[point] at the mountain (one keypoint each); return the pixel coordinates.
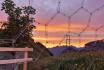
(94, 46)
(70, 49)
(57, 50)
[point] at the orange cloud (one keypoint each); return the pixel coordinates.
(57, 31)
(64, 28)
(54, 41)
(49, 39)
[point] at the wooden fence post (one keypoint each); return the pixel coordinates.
(25, 57)
(20, 60)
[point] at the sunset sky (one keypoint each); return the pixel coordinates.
(92, 14)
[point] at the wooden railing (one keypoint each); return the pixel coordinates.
(23, 60)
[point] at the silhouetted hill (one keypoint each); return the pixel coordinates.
(57, 50)
(90, 46)
(43, 48)
(94, 46)
(40, 51)
(70, 49)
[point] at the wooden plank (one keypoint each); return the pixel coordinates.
(15, 61)
(25, 63)
(2, 49)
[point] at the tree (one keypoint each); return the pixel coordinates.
(18, 26)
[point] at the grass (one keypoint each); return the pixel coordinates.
(71, 61)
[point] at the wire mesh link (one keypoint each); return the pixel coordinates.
(69, 17)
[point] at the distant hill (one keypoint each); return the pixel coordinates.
(94, 46)
(58, 50)
(90, 46)
(70, 49)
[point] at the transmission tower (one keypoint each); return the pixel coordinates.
(68, 40)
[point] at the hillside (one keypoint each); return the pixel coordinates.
(72, 61)
(57, 50)
(94, 46)
(42, 49)
(70, 49)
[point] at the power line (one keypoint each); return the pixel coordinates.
(69, 17)
(67, 37)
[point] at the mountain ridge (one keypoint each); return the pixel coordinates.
(97, 45)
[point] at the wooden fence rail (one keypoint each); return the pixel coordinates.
(23, 60)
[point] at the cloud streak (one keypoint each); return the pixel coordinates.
(58, 27)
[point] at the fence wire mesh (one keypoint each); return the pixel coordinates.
(58, 21)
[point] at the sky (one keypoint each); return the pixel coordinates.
(90, 18)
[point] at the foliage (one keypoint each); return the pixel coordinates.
(72, 61)
(19, 24)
